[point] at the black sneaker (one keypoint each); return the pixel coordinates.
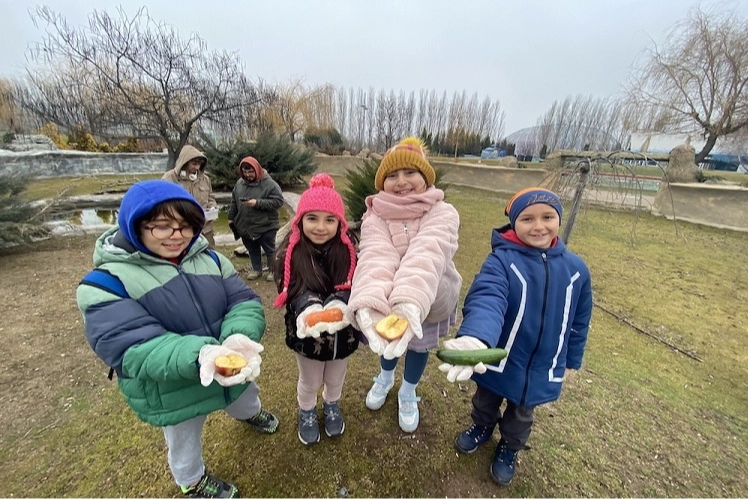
(334, 423)
(210, 486)
(263, 421)
(469, 440)
(308, 426)
(504, 464)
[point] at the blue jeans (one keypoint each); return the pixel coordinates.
(266, 243)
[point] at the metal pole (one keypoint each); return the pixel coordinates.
(576, 202)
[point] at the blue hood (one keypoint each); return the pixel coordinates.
(140, 199)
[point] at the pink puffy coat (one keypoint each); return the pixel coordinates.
(406, 251)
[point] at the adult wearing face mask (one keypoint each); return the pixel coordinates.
(189, 172)
(253, 215)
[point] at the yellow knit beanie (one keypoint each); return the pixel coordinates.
(408, 153)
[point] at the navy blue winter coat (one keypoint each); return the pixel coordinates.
(537, 305)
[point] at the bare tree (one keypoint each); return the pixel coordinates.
(134, 75)
(699, 76)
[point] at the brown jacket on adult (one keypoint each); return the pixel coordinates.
(201, 188)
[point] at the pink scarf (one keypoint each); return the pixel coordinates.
(390, 207)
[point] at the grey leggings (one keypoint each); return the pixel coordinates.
(184, 440)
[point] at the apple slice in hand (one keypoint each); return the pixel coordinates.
(230, 365)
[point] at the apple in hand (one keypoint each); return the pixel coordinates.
(391, 327)
(230, 365)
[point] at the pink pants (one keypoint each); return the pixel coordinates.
(313, 374)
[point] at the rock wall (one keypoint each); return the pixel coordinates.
(718, 206)
(721, 206)
(45, 164)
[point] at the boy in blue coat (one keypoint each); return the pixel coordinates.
(532, 297)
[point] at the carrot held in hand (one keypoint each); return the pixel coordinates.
(329, 315)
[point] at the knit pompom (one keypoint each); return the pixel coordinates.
(321, 180)
(414, 141)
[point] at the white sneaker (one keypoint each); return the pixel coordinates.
(407, 412)
(378, 394)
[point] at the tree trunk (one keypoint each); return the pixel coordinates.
(710, 141)
(172, 158)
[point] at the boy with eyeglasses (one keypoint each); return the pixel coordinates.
(175, 306)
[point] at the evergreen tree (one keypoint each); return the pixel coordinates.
(286, 162)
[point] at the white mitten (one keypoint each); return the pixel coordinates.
(302, 330)
(250, 350)
(207, 360)
(412, 314)
(458, 372)
(367, 319)
(398, 347)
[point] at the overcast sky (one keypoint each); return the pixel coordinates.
(524, 53)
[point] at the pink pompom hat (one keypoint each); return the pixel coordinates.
(321, 196)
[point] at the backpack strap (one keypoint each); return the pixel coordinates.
(102, 279)
(214, 256)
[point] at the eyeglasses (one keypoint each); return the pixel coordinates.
(166, 231)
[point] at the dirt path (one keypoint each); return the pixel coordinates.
(44, 351)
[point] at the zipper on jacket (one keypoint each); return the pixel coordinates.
(540, 331)
(199, 309)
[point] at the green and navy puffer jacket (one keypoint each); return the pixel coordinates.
(153, 338)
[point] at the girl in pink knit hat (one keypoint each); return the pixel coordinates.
(313, 270)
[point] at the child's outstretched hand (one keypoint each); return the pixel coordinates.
(463, 373)
(248, 349)
(334, 306)
(412, 314)
(207, 360)
(303, 330)
(367, 319)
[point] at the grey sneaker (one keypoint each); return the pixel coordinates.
(263, 421)
(210, 486)
(378, 393)
(253, 274)
(308, 426)
(269, 277)
(334, 423)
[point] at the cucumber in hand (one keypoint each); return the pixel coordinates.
(471, 357)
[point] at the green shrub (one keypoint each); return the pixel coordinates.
(8, 137)
(82, 140)
(286, 162)
(326, 140)
(360, 184)
(128, 145)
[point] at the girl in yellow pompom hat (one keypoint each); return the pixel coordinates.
(405, 268)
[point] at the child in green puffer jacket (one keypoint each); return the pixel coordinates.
(159, 308)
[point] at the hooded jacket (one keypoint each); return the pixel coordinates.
(254, 221)
(536, 304)
(201, 189)
(407, 247)
(153, 338)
